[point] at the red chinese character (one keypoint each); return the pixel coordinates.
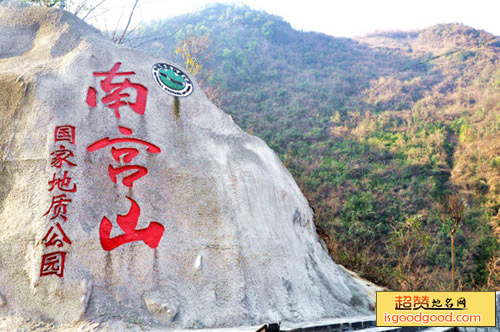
(58, 204)
(61, 156)
(128, 181)
(124, 155)
(53, 263)
(402, 303)
(54, 238)
(62, 184)
(128, 154)
(102, 143)
(65, 133)
(151, 235)
(114, 94)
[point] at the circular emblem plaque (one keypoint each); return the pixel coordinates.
(172, 80)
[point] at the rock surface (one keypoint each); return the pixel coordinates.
(239, 246)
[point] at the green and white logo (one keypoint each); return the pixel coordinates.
(172, 80)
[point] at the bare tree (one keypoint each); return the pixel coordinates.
(123, 34)
(49, 3)
(452, 218)
(93, 11)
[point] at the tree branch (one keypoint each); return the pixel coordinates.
(92, 9)
(128, 23)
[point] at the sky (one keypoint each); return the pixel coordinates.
(339, 18)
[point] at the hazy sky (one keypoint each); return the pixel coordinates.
(345, 18)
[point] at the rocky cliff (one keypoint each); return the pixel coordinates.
(127, 195)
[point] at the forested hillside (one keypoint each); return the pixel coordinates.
(380, 133)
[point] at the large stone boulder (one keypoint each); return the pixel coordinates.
(119, 201)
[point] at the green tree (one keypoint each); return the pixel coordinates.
(194, 52)
(49, 3)
(408, 246)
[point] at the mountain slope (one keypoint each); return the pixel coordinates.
(376, 132)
